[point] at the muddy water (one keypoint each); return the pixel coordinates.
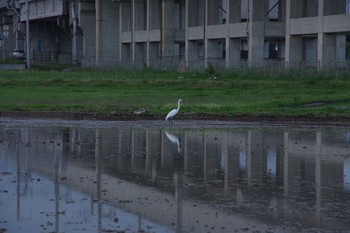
(87, 176)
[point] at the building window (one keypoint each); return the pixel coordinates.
(244, 49)
(273, 50)
(347, 6)
(273, 10)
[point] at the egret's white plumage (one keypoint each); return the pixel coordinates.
(173, 112)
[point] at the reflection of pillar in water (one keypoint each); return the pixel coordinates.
(27, 161)
(318, 175)
(147, 153)
(271, 163)
(242, 158)
(204, 158)
(249, 157)
(162, 150)
(132, 148)
(79, 144)
(224, 160)
(273, 206)
(346, 172)
(285, 162)
(239, 196)
(73, 140)
(98, 176)
(185, 152)
(27, 150)
(154, 170)
(139, 223)
(18, 182)
(57, 189)
(178, 198)
(120, 142)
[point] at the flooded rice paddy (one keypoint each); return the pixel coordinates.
(147, 176)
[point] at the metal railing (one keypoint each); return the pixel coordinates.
(263, 68)
(44, 57)
(218, 65)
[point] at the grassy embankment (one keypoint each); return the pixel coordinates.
(122, 92)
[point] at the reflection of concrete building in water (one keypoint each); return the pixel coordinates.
(184, 33)
(230, 165)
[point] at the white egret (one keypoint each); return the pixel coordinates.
(173, 112)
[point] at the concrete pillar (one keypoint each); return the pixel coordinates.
(256, 30)
(99, 33)
(294, 44)
(133, 28)
(320, 37)
(167, 30)
(148, 17)
(287, 36)
(187, 23)
(227, 39)
(205, 29)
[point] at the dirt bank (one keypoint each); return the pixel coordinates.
(183, 116)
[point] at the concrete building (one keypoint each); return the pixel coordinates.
(189, 34)
(50, 34)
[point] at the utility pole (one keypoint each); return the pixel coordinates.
(28, 35)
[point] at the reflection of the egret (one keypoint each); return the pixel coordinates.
(174, 139)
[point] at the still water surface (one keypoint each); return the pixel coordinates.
(86, 176)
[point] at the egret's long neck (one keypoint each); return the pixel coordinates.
(178, 106)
